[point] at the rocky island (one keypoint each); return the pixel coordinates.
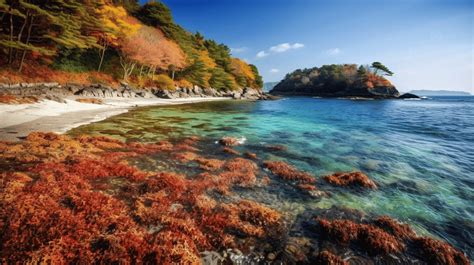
(336, 80)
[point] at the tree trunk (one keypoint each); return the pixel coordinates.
(20, 34)
(27, 42)
(148, 73)
(102, 55)
(141, 70)
(127, 67)
(10, 50)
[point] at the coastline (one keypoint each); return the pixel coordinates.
(18, 121)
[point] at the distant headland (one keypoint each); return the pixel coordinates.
(422, 92)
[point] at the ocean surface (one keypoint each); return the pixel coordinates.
(420, 153)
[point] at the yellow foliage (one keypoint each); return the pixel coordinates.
(164, 82)
(117, 23)
(206, 59)
(241, 68)
(183, 83)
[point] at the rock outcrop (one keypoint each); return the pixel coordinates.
(408, 95)
(57, 92)
(335, 81)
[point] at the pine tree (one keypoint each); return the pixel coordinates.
(380, 67)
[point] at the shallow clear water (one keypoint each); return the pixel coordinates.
(421, 153)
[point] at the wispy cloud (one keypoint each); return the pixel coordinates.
(283, 47)
(274, 70)
(238, 49)
(262, 54)
(286, 47)
(333, 51)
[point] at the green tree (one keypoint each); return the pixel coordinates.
(155, 14)
(377, 66)
(220, 53)
(130, 5)
(195, 73)
(221, 80)
(362, 72)
(258, 77)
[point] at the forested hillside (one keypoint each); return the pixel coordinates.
(105, 41)
(339, 80)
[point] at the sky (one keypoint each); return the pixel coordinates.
(428, 44)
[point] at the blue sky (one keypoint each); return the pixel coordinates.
(427, 43)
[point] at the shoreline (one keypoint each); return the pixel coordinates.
(17, 121)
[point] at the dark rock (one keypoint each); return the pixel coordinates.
(408, 95)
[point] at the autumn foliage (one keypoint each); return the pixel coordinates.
(107, 41)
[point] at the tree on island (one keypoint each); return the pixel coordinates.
(378, 66)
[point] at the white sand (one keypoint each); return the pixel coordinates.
(19, 120)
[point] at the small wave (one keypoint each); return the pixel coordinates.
(412, 99)
(240, 140)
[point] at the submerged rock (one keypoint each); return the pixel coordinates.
(230, 151)
(328, 258)
(250, 155)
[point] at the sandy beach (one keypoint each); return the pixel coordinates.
(17, 121)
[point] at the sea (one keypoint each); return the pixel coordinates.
(419, 152)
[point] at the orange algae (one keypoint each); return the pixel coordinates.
(250, 155)
(384, 235)
(370, 238)
(395, 228)
(186, 156)
(437, 252)
(77, 200)
(210, 164)
(287, 172)
(351, 179)
(230, 151)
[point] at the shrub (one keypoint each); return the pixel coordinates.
(164, 82)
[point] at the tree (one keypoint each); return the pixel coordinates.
(196, 73)
(377, 66)
(221, 79)
(220, 53)
(258, 77)
(148, 46)
(155, 14)
(116, 25)
(41, 27)
(129, 5)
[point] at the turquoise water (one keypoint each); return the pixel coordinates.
(420, 153)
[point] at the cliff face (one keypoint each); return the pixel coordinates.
(336, 81)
